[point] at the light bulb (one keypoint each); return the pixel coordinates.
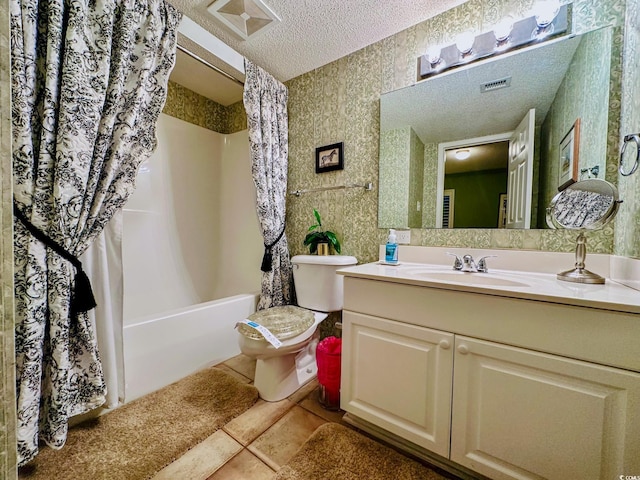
(433, 54)
(502, 29)
(545, 12)
(464, 42)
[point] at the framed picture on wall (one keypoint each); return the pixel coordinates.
(329, 157)
(569, 153)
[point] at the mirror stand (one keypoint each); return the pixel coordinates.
(580, 274)
(586, 205)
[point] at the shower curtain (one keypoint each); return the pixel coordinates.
(103, 263)
(265, 101)
(89, 80)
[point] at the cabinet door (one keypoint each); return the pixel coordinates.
(398, 376)
(523, 414)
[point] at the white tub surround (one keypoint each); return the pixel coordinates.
(505, 374)
(191, 251)
(190, 231)
(163, 348)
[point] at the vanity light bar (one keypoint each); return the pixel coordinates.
(525, 32)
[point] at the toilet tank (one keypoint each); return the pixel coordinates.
(318, 287)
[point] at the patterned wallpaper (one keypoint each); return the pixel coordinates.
(430, 184)
(340, 102)
(236, 118)
(583, 94)
(191, 107)
(627, 234)
(394, 170)
(416, 183)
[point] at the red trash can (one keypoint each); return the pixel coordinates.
(328, 358)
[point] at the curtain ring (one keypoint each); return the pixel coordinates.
(634, 137)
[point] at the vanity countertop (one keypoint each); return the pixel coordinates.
(506, 283)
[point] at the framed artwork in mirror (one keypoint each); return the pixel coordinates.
(569, 154)
(329, 157)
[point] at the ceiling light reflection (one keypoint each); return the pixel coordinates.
(462, 154)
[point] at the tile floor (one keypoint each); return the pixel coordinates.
(258, 442)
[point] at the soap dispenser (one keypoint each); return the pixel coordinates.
(391, 250)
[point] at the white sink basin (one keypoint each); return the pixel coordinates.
(465, 278)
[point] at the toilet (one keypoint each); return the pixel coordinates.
(281, 371)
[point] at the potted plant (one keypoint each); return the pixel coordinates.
(319, 240)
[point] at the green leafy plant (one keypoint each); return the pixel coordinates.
(316, 235)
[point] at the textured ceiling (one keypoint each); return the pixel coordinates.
(314, 33)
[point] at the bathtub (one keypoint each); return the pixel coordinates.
(163, 348)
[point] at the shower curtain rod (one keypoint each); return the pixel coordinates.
(210, 65)
(366, 186)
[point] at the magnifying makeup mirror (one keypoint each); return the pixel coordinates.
(586, 205)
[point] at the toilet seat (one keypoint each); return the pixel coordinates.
(260, 348)
(283, 322)
(283, 370)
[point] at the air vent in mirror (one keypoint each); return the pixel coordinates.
(495, 84)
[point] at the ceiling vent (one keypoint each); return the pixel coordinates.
(495, 85)
(245, 18)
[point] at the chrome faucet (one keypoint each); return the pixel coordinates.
(467, 264)
(457, 264)
(482, 263)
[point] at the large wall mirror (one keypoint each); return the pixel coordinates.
(490, 144)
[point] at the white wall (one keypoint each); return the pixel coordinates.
(190, 230)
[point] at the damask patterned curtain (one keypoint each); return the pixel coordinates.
(265, 101)
(89, 80)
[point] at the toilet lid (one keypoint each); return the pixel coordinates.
(284, 322)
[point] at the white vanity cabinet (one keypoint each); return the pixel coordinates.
(503, 387)
(398, 376)
(524, 414)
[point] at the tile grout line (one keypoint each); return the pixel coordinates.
(284, 412)
(257, 454)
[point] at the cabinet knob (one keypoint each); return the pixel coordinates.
(463, 349)
(444, 344)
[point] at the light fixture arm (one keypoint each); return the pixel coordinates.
(524, 32)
